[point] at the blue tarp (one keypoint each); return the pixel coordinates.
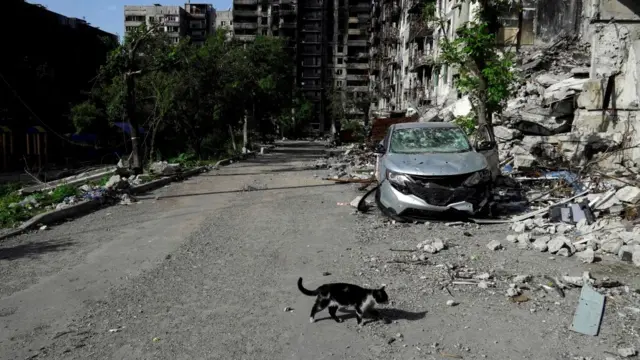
(127, 128)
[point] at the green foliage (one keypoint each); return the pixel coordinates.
(467, 123)
(12, 214)
(485, 70)
(60, 193)
(85, 116)
(187, 97)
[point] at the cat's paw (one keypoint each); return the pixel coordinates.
(339, 320)
(312, 320)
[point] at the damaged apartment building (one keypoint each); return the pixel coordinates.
(194, 20)
(328, 40)
(579, 64)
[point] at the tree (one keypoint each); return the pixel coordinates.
(485, 69)
(337, 110)
(144, 51)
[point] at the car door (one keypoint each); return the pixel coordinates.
(485, 143)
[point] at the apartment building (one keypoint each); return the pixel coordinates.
(224, 20)
(403, 75)
(193, 20)
(326, 38)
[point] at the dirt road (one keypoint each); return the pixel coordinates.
(205, 269)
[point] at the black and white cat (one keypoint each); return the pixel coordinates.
(341, 294)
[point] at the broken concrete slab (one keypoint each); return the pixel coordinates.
(629, 194)
(494, 245)
(587, 256)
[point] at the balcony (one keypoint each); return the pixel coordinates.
(246, 25)
(287, 25)
(287, 12)
(244, 38)
(356, 32)
(245, 13)
(419, 31)
(358, 88)
(421, 59)
(361, 43)
(245, 2)
(360, 66)
(360, 8)
(357, 77)
(284, 2)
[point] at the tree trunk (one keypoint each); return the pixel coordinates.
(152, 156)
(520, 21)
(245, 132)
(130, 101)
(233, 139)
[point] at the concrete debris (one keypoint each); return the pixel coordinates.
(494, 245)
(116, 183)
(164, 168)
(353, 161)
(627, 352)
(629, 194)
(452, 303)
(587, 256)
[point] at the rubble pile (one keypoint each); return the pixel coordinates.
(353, 161)
(592, 226)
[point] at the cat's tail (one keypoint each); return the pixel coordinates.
(305, 291)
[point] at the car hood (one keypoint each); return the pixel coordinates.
(436, 164)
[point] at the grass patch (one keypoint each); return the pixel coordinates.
(13, 215)
(189, 160)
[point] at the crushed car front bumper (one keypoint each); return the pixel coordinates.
(468, 193)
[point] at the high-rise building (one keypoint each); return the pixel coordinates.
(328, 40)
(194, 20)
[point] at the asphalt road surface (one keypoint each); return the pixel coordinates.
(198, 270)
(204, 269)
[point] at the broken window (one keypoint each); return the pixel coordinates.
(340, 60)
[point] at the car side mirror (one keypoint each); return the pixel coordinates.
(379, 149)
(484, 146)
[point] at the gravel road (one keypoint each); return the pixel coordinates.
(205, 269)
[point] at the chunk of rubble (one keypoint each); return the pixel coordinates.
(519, 227)
(541, 243)
(627, 352)
(524, 238)
(564, 252)
(612, 246)
(558, 243)
(494, 245)
(512, 239)
(587, 256)
(629, 194)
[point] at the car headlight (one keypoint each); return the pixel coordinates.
(397, 178)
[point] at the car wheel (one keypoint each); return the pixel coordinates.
(385, 211)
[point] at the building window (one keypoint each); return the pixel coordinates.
(339, 84)
(223, 23)
(340, 60)
(339, 72)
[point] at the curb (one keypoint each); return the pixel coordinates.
(88, 206)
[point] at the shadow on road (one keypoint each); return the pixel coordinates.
(387, 315)
(237, 191)
(33, 250)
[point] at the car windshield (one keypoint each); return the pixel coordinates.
(429, 140)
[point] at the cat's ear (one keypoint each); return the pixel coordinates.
(383, 286)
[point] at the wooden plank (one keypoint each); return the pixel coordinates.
(589, 312)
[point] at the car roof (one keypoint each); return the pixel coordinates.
(421, 125)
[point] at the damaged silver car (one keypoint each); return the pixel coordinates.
(432, 167)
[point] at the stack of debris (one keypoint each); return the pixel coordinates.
(353, 161)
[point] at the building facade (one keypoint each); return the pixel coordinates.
(224, 20)
(326, 38)
(194, 20)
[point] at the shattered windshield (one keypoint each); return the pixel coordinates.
(429, 140)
